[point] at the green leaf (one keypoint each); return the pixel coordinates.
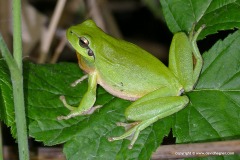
(6, 99)
(43, 86)
(181, 15)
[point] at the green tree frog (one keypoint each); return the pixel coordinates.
(129, 72)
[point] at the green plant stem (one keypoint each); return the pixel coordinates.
(17, 33)
(17, 82)
(15, 67)
(18, 97)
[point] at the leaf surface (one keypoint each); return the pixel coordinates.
(181, 15)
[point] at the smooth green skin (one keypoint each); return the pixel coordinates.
(129, 72)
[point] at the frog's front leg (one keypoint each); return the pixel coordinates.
(75, 83)
(87, 102)
(150, 108)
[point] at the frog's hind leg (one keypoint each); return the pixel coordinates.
(148, 112)
(133, 133)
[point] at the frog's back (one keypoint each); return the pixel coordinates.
(131, 71)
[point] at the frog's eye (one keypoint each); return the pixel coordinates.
(83, 42)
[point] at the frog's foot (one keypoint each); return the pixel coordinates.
(133, 132)
(75, 111)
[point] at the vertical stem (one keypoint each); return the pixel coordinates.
(17, 82)
(17, 33)
(20, 116)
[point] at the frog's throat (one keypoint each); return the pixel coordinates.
(83, 63)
